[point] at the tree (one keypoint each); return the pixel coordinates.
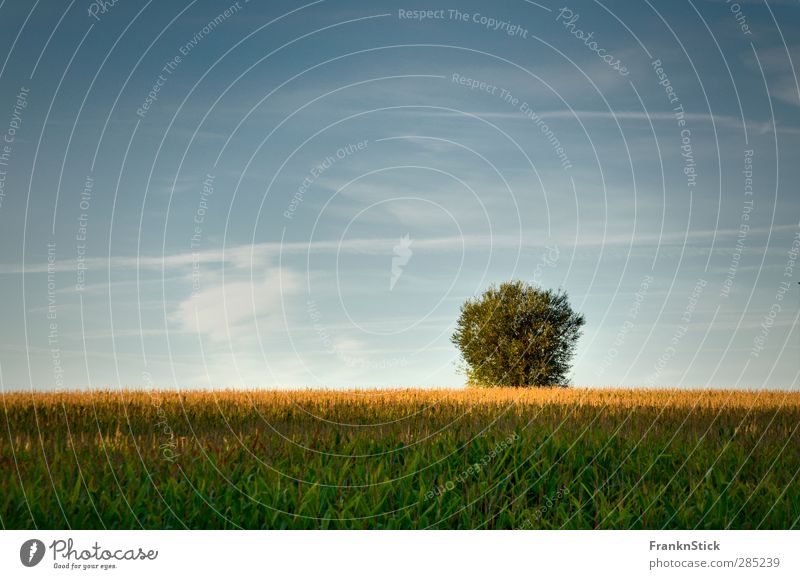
(518, 335)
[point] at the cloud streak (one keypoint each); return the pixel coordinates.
(258, 255)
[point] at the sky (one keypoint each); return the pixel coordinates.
(284, 194)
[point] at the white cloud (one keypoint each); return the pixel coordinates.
(778, 64)
(231, 309)
(255, 256)
(721, 121)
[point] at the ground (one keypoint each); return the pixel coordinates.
(408, 459)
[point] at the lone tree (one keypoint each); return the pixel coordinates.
(517, 335)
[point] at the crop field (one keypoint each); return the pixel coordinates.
(401, 459)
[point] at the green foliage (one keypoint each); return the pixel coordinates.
(518, 335)
(480, 458)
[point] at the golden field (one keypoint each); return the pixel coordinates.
(412, 458)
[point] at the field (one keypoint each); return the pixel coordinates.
(401, 459)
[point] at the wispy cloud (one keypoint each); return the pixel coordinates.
(229, 309)
(258, 255)
(778, 65)
(726, 121)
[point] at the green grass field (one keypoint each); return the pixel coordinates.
(405, 459)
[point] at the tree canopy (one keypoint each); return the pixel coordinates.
(518, 335)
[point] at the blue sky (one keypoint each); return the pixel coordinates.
(284, 194)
